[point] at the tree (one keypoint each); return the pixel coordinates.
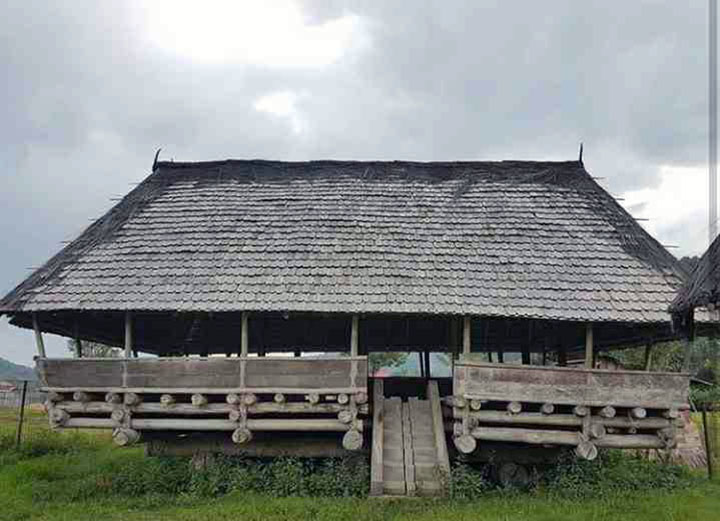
(669, 356)
(94, 349)
(380, 360)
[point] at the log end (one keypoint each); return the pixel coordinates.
(125, 437)
(465, 443)
(241, 435)
(352, 440)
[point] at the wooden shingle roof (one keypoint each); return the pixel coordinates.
(703, 287)
(506, 239)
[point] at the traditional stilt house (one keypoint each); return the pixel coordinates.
(512, 267)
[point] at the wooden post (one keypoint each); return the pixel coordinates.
(128, 334)
(376, 458)
(244, 334)
(648, 356)
(708, 446)
(466, 335)
(526, 347)
(38, 336)
(21, 420)
(589, 348)
(687, 346)
(354, 336)
(454, 340)
(426, 354)
(78, 342)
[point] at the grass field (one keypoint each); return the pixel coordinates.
(73, 476)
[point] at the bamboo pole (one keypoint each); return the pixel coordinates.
(128, 334)
(589, 348)
(38, 336)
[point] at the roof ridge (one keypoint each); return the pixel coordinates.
(234, 161)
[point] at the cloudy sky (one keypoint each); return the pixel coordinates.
(91, 89)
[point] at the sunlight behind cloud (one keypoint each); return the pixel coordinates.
(282, 104)
(273, 34)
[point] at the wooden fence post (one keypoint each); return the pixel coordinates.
(18, 437)
(708, 448)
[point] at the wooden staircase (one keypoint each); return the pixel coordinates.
(409, 449)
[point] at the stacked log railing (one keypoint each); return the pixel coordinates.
(241, 414)
(240, 411)
(585, 409)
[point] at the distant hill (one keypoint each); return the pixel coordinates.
(10, 371)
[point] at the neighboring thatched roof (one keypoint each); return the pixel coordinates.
(504, 239)
(703, 287)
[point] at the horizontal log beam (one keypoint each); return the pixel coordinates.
(630, 441)
(549, 437)
(186, 409)
(531, 436)
(165, 424)
(300, 446)
(565, 420)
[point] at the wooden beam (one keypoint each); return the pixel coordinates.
(38, 336)
(376, 458)
(128, 334)
(466, 335)
(244, 334)
(443, 458)
(589, 348)
(354, 336)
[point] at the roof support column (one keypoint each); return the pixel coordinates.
(128, 334)
(466, 335)
(38, 336)
(687, 349)
(354, 335)
(648, 356)
(528, 344)
(589, 347)
(244, 334)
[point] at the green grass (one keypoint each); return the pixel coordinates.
(80, 476)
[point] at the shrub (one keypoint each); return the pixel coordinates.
(467, 482)
(278, 477)
(612, 473)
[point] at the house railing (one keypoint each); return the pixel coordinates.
(578, 407)
(237, 394)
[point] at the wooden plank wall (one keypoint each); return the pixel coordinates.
(570, 386)
(213, 373)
